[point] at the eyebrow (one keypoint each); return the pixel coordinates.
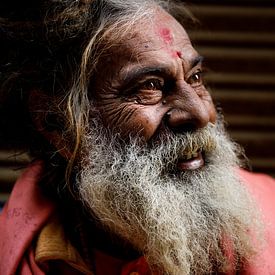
(143, 71)
(195, 61)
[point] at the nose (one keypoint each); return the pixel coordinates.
(188, 110)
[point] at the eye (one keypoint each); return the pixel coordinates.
(152, 84)
(146, 92)
(196, 79)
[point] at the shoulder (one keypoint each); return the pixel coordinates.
(24, 214)
(255, 177)
(262, 189)
(258, 184)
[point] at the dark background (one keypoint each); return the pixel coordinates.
(237, 39)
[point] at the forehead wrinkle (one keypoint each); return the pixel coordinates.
(139, 51)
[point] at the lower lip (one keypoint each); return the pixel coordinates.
(191, 164)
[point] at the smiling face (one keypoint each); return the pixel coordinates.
(151, 81)
(170, 190)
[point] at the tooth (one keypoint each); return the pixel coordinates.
(189, 156)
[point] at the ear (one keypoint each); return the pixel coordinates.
(47, 122)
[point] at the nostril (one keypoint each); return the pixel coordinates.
(179, 128)
(184, 128)
(180, 121)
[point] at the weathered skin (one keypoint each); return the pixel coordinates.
(151, 79)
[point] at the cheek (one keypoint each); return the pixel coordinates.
(130, 119)
(147, 120)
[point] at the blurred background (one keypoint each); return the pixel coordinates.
(237, 39)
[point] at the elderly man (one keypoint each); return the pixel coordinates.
(132, 172)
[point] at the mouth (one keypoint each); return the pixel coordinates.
(192, 161)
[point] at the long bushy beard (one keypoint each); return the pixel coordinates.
(183, 222)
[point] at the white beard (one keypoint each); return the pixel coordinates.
(178, 220)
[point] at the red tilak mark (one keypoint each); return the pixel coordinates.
(176, 54)
(166, 35)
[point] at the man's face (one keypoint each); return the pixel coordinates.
(152, 80)
(178, 198)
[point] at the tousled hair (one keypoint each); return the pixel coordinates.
(53, 46)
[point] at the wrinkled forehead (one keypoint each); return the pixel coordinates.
(160, 30)
(161, 34)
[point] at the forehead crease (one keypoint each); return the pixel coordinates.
(140, 64)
